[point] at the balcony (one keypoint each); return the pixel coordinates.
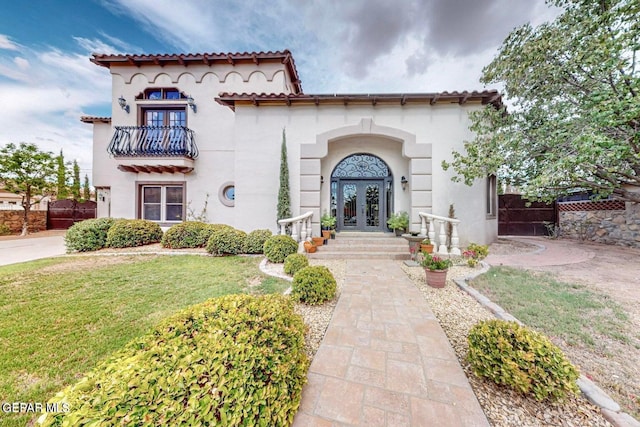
(154, 149)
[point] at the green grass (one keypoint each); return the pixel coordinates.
(565, 310)
(59, 317)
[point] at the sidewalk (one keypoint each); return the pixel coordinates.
(385, 360)
(14, 249)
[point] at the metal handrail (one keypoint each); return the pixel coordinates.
(153, 141)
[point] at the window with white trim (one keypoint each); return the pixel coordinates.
(163, 203)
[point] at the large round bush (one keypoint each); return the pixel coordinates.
(521, 358)
(313, 285)
(128, 233)
(255, 241)
(88, 235)
(226, 241)
(189, 234)
(237, 360)
(295, 262)
(277, 248)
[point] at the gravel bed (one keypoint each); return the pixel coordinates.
(457, 313)
(316, 317)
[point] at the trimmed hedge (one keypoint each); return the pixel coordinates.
(295, 262)
(128, 233)
(189, 234)
(226, 241)
(313, 285)
(88, 235)
(521, 358)
(278, 247)
(237, 360)
(255, 241)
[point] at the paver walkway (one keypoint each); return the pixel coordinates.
(385, 360)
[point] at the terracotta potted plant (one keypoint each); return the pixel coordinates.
(310, 247)
(426, 246)
(436, 269)
(318, 240)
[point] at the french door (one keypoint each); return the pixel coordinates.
(360, 205)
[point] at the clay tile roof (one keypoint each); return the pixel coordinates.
(492, 97)
(185, 59)
(94, 119)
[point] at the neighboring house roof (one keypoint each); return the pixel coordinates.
(285, 57)
(230, 100)
(94, 119)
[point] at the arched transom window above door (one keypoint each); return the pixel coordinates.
(361, 166)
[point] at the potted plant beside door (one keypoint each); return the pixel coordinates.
(435, 269)
(328, 223)
(398, 222)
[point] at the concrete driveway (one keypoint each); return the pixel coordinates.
(16, 249)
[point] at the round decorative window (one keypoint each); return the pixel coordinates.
(227, 194)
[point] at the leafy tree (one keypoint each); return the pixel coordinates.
(27, 171)
(574, 124)
(75, 187)
(62, 189)
(284, 201)
(86, 190)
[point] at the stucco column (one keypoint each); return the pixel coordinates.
(420, 181)
(310, 190)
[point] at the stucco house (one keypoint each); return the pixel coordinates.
(193, 128)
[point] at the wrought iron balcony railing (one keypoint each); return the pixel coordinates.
(153, 141)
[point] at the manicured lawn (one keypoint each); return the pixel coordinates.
(565, 310)
(59, 317)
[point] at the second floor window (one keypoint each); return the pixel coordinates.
(165, 117)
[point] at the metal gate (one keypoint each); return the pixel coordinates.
(515, 218)
(62, 214)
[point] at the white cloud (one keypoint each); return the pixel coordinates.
(46, 92)
(21, 63)
(6, 43)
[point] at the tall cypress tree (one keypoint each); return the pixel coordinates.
(86, 191)
(62, 192)
(75, 187)
(284, 202)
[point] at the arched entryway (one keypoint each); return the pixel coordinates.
(361, 193)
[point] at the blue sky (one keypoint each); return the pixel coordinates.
(347, 46)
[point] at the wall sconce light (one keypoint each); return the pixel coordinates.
(123, 104)
(404, 182)
(321, 179)
(191, 104)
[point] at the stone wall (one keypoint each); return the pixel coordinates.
(609, 221)
(13, 220)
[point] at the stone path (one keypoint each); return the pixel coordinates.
(385, 360)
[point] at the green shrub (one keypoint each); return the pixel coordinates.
(128, 233)
(216, 227)
(521, 358)
(234, 360)
(88, 235)
(4, 230)
(278, 247)
(313, 285)
(295, 262)
(226, 241)
(480, 251)
(190, 234)
(255, 241)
